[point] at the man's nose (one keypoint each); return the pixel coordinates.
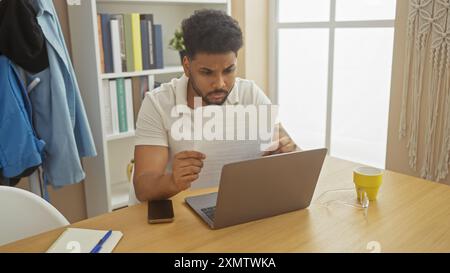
(219, 82)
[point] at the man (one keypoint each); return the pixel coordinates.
(164, 166)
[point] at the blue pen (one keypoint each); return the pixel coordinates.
(99, 245)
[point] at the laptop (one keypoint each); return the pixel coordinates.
(259, 188)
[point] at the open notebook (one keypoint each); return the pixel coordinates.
(76, 240)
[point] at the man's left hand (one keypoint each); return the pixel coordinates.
(285, 143)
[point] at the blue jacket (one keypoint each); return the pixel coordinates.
(59, 115)
(20, 149)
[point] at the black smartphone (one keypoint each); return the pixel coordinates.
(160, 211)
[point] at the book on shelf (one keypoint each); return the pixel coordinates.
(137, 99)
(107, 44)
(148, 21)
(113, 105)
(137, 45)
(122, 99)
(107, 112)
(121, 105)
(145, 46)
(141, 85)
(130, 42)
(100, 43)
(129, 104)
(159, 61)
(121, 35)
(115, 45)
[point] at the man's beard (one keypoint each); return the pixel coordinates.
(208, 98)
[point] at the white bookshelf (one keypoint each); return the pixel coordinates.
(106, 183)
(120, 136)
(164, 71)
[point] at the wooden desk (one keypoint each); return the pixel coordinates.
(411, 215)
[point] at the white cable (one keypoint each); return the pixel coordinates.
(364, 200)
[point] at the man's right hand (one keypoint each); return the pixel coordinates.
(186, 167)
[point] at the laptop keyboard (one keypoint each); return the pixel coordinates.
(209, 212)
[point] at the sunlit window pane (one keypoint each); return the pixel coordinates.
(303, 11)
(302, 84)
(362, 76)
(365, 10)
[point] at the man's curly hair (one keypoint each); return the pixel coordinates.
(211, 31)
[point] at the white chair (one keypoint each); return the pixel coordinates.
(24, 214)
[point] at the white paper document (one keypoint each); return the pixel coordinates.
(225, 134)
(241, 141)
(220, 153)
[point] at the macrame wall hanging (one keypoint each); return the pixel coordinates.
(427, 57)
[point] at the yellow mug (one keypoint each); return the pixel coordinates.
(368, 180)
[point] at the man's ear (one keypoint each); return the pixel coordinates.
(186, 66)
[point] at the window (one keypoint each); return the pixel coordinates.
(332, 79)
